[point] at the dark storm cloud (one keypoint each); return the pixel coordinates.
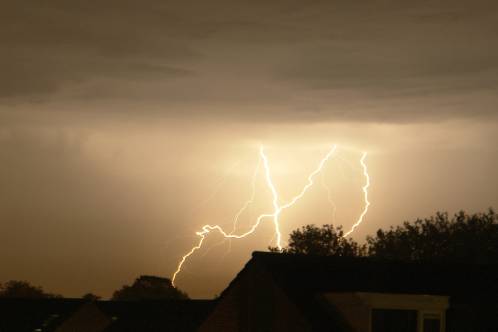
(328, 60)
(46, 45)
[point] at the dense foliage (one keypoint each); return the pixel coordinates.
(462, 237)
(24, 290)
(326, 240)
(149, 288)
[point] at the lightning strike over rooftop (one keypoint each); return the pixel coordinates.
(277, 208)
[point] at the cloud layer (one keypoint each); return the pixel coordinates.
(256, 61)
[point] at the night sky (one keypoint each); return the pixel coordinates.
(127, 125)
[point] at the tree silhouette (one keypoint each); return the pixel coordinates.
(23, 289)
(463, 238)
(327, 240)
(149, 288)
(91, 297)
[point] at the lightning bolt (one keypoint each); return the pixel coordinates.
(365, 195)
(218, 185)
(308, 185)
(277, 208)
(245, 206)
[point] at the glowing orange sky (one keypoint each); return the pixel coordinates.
(118, 121)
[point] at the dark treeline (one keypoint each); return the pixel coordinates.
(23, 289)
(459, 238)
(149, 288)
(144, 288)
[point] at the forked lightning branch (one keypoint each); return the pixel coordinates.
(278, 208)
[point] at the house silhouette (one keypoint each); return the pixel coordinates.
(287, 292)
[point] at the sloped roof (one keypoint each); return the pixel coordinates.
(46, 315)
(28, 315)
(156, 315)
(305, 277)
